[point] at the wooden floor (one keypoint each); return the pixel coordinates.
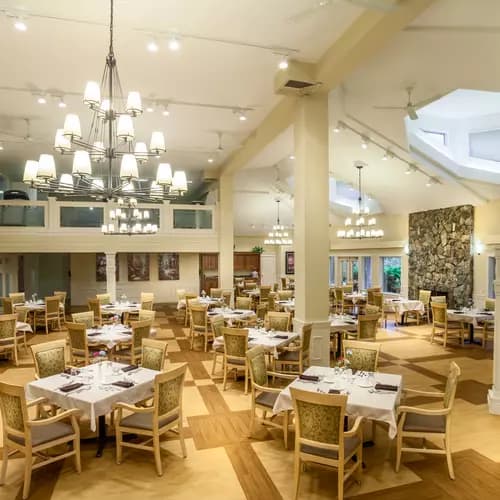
(225, 461)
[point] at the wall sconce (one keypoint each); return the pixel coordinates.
(478, 247)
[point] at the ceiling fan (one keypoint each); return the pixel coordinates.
(27, 137)
(411, 107)
(319, 5)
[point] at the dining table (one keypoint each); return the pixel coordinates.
(401, 306)
(372, 395)
(287, 305)
(109, 335)
(231, 315)
(34, 306)
(339, 325)
(472, 317)
(94, 389)
(21, 326)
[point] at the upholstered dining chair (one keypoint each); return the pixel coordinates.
(51, 314)
(426, 423)
(295, 356)
(33, 438)
(285, 294)
(369, 294)
(235, 348)
(261, 311)
(86, 317)
(8, 337)
(62, 304)
(226, 297)
(199, 324)
(7, 305)
(371, 309)
(489, 304)
(95, 306)
(22, 316)
(216, 324)
(244, 303)
(441, 325)
(439, 299)
(80, 350)
(250, 285)
(362, 356)
(17, 297)
(320, 436)
(279, 321)
(132, 351)
(49, 358)
(487, 329)
(264, 395)
(367, 327)
(271, 301)
(425, 297)
(378, 301)
(154, 353)
(190, 298)
(265, 290)
(339, 300)
(216, 293)
(145, 314)
(103, 298)
(152, 422)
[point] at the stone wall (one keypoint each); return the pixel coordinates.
(440, 258)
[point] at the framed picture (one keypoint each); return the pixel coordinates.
(138, 266)
(168, 266)
(100, 267)
(289, 262)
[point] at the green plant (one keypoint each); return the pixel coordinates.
(257, 249)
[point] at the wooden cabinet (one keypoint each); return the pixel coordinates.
(245, 263)
(209, 271)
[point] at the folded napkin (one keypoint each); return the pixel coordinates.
(212, 313)
(123, 383)
(458, 312)
(93, 334)
(312, 378)
(129, 368)
(238, 312)
(334, 391)
(386, 387)
(349, 322)
(70, 387)
(486, 313)
(250, 339)
(281, 337)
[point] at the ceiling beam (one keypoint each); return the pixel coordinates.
(366, 35)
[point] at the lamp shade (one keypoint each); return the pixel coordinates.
(98, 151)
(125, 128)
(81, 164)
(128, 167)
(46, 167)
(66, 183)
(179, 182)
(61, 142)
(156, 191)
(164, 174)
(72, 128)
(141, 152)
(134, 104)
(157, 144)
(127, 188)
(92, 94)
(30, 171)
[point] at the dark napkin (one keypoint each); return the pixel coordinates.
(70, 387)
(312, 378)
(457, 312)
(334, 391)
(129, 368)
(386, 387)
(212, 313)
(281, 337)
(93, 334)
(237, 312)
(107, 306)
(486, 313)
(349, 322)
(250, 339)
(123, 383)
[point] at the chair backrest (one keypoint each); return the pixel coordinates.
(62, 295)
(271, 301)
(370, 292)
(147, 305)
(256, 358)
(140, 330)
(180, 292)
(17, 297)
(285, 294)
(77, 336)
(153, 354)
(250, 285)
(235, 342)
(362, 355)
(339, 294)
(347, 288)
(217, 323)
(451, 385)
(168, 387)
(439, 299)
(283, 283)
(8, 326)
(52, 306)
(49, 358)
(367, 326)
(262, 311)
(216, 293)
(243, 303)
(371, 309)
(21, 313)
(424, 296)
(378, 300)
(8, 308)
(319, 419)
(146, 314)
(489, 305)
(275, 287)
(190, 298)
(439, 313)
(306, 338)
(14, 410)
(87, 318)
(95, 307)
(278, 320)
(226, 296)
(147, 297)
(199, 315)
(103, 298)
(265, 290)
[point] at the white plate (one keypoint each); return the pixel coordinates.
(330, 380)
(364, 383)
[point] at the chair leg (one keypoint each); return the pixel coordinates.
(340, 472)
(225, 377)
(285, 429)
(448, 457)
(399, 446)
(246, 378)
(156, 448)
(118, 436)
(78, 460)
(181, 439)
(16, 361)
(213, 364)
(5, 460)
(28, 465)
(296, 474)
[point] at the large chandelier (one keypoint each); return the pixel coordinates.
(279, 234)
(111, 137)
(128, 219)
(363, 226)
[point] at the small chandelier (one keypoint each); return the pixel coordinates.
(279, 235)
(111, 137)
(363, 226)
(128, 219)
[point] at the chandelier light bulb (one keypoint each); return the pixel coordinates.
(157, 144)
(179, 182)
(125, 128)
(46, 167)
(141, 152)
(81, 164)
(128, 169)
(72, 128)
(164, 174)
(66, 183)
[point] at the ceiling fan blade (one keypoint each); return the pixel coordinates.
(385, 5)
(306, 13)
(424, 102)
(412, 113)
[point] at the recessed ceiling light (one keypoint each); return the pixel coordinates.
(165, 112)
(210, 160)
(20, 25)
(174, 44)
(283, 64)
(41, 100)
(61, 103)
(364, 142)
(291, 157)
(152, 46)
(150, 109)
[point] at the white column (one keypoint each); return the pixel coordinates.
(494, 392)
(311, 229)
(111, 275)
(226, 232)
(361, 273)
(376, 276)
(404, 275)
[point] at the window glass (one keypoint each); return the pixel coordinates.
(82, 216)
(332, 270)
(492, 262)
(192, 219)
(367, 272)
(21, 216)
(391, 274)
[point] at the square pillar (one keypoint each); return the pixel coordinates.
(226, 232)
(311, 223)
(494, 392)
(111, 275)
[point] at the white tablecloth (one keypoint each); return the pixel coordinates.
(343, 323)
(23, 327)
(402, 305)
(472, 317)
(379, 406)
(39, 305)
(181, 304)
(96, 398)
(109, 335)
(355, 297)
(286, 305)
(231, 314)
(120, 308)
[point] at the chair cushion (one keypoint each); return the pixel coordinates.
(145, 420)
(236, 361)
(46, 433)
(289, 356)
(350, 444)
(267, 399)
(424, 423)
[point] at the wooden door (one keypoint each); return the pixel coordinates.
(209, 271)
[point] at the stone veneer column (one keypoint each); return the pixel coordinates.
(226, 232)
(311, 225)
(111, 275)
(494, 392)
